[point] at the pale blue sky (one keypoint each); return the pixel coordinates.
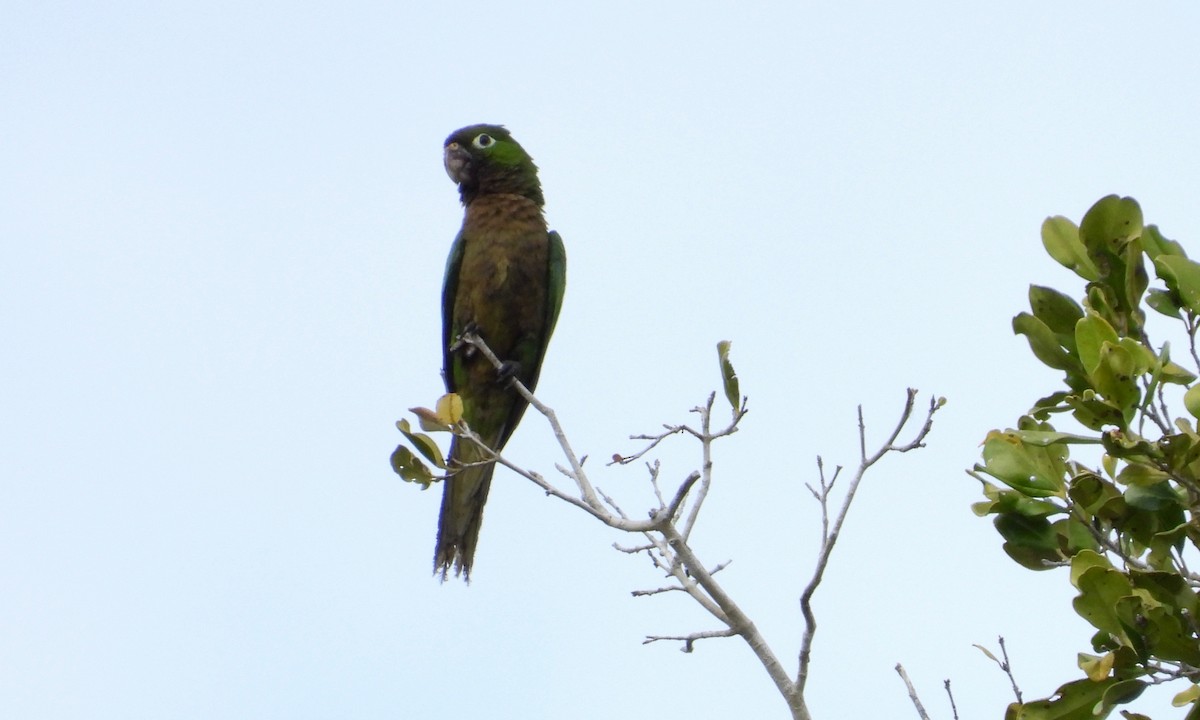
(225, 227)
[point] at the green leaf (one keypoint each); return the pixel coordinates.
(1092, 412)
(1182, 277)
(1115, 377)
(1010, 501)
(1090, 335)
(1143, 358)
(1140, 475)
(1091, 492)
(1060, 237)
(1152, 498)
(728, 377)
(1079, 537)
(1110, 225)
(1043, 342)
(1168, 588)
(1173, 373)
(1155, 244)
(1128, 446)
(1058, 311)
(1191, 400)
(1076, 700)
(1085, 561)
(410, 468)
(1119, 693)
(1042, 438)
(1168, 635)
(1099, 590)
(1190, 695)
(1164, 303)
(1032, 541)
(423, 443)
(1023, 468)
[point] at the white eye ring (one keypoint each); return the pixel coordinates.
(483, 141)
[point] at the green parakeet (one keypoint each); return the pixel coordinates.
(504, 279)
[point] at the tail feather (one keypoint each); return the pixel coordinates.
(463, 499)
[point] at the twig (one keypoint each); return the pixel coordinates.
(654, 468)
(953, 707)
(912, 692)
(657, 591)
(738, 622)
(1189, 322)
(633, 550)
(655, 440)
(585, 488)
(1006, 666)
(611, 503)
(690, 639)
(830, 536)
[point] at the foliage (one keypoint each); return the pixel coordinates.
(1127, 525)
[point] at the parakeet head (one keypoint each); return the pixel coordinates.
(485, 160)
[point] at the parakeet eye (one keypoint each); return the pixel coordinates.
(483, 141)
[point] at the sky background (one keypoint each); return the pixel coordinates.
(224, 229)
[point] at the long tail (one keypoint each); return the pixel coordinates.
(462, 511)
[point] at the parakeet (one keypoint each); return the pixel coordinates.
(504, 280)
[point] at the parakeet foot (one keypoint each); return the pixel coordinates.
(469, 329)
(509, 369)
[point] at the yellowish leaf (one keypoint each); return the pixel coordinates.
(450, 408)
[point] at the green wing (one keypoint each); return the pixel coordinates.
(557, 285)
(449, 290)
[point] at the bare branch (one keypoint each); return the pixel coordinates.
(1189, 321)
(633, 550)
(667, 527)
(690, 639)
(912, 692)
(830, 535)
(657, 591)
(611, 503)
(953, 707)
(1007, 667)
(654, 441)
(706, 441)
(673, 509)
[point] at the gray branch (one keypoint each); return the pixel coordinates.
(666, 538)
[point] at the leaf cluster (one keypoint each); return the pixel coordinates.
(406, 464)
(1126, 526)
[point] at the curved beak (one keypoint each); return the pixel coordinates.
(458, 163)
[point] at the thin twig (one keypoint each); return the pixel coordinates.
(690, 639)
(912, 692)
(655, 440)
(1007, 666)
(949, 694)
(656, 591)
(831, 535)
(633, 550)
(585, 488)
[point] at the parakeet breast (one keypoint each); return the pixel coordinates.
(503, 277)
